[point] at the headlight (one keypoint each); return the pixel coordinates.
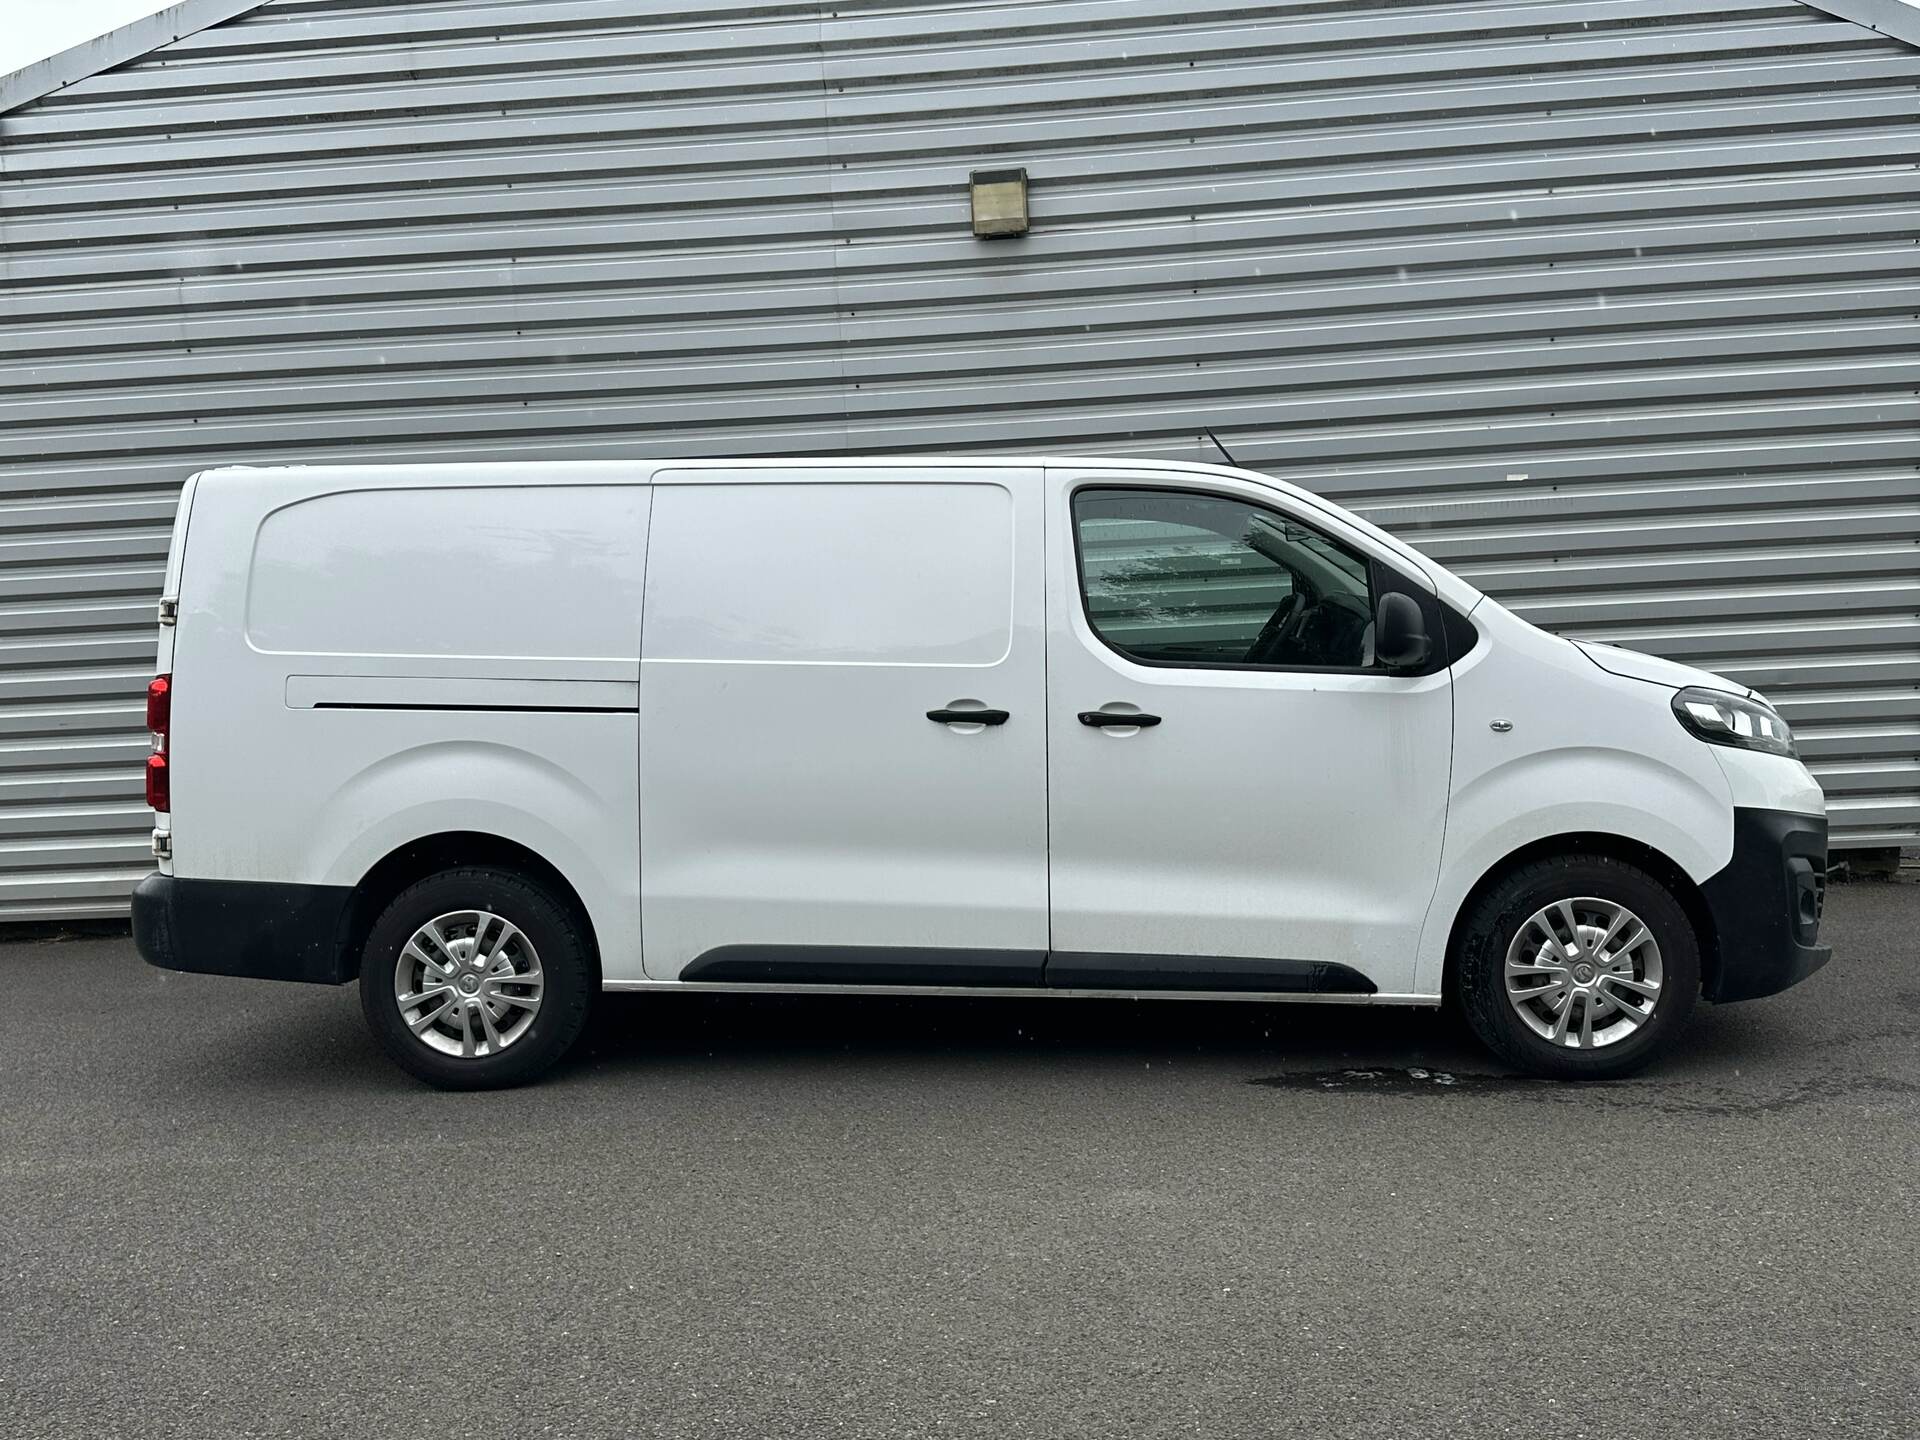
(1723, 719)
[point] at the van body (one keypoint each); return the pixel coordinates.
(493, 738)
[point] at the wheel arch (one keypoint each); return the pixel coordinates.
(1587, 842)
(447, 850)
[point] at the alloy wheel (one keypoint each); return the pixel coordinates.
(1584, 973)
(468, 983)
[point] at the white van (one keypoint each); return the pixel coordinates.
(494, 738)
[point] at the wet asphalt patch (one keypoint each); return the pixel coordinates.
(1399, 1082)
(1695, 1100)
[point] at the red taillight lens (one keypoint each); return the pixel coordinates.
(160, 704)
(159, 794)
(159, 718)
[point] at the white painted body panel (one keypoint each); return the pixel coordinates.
(703, 782)
(1588, 752)
(795, 791)
(1769, 782)
(268, 787)
(1271, 815)
(1632, 665)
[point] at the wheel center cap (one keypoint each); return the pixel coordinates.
(469, 983)
(1583, 973)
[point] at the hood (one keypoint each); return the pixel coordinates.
(1632, 665)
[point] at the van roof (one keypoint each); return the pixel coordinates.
(559, 472)
(573, 469)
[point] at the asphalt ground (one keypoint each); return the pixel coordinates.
(227, 1215)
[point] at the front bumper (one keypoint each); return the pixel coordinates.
(1766, 905)
(250, 928)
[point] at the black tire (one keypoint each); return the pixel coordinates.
(558, 936)
(1498, 915)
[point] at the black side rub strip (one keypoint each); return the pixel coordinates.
(1070, 971)
(887, 965)
(867, 965)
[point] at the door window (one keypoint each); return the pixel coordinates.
(1176, 578)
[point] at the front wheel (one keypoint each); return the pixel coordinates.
(476, 978)
(1578, 967)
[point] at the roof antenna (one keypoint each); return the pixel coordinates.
(1222, 449)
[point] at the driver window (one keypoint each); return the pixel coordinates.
(1173, 578)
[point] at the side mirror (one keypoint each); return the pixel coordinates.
(1400, 639)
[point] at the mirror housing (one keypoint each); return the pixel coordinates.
(1400, 639)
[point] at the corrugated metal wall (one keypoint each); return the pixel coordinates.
(1610, 304)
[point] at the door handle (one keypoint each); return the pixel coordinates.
(1113, 720)
(968, 717)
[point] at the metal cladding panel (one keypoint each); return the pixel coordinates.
(1608, 304)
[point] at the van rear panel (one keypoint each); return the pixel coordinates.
(364, 658)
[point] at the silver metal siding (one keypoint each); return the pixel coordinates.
(1608, 304)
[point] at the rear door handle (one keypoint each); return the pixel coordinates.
(969, 717)
(1111, 719)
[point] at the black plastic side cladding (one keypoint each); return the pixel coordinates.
(253, 929)
(1069, 971)
(1022, 969)
(866, 965)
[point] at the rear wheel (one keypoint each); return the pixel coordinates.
(1578, 967)
(476, 978)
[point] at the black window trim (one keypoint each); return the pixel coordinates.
(1381, 578)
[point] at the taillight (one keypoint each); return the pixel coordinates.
(159, 721)
(159, 793)
(159, 704)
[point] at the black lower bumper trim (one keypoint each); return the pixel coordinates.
(1766, 905)
(249, 928)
